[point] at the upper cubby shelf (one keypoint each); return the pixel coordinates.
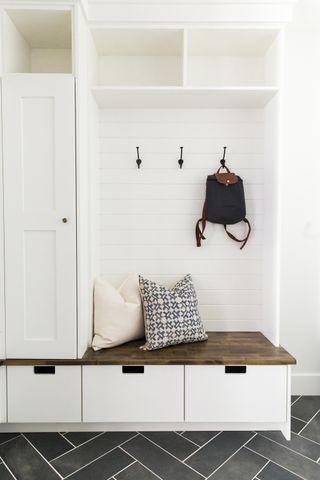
(183, 97)
(232, 57)
(138, 57)
(37, 41)
(190, 57)
(185, 68)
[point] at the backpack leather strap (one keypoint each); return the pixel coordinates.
(199, 232)
(244, 241)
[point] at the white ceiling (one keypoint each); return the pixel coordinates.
(43, 29)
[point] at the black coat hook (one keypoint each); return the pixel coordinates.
(223, 161)
(138, 161)
(180, 161)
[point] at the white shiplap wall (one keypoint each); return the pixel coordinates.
(148, 216)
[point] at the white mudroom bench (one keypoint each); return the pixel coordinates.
(234, 381)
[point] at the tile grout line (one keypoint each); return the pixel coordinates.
(310, 420)
(288, 448)
(306, 438)
(201, 446)
(6, 466)
(299, 396)
(168, 453)
(264, 466)
(151, 471)
(67, 440)
(51, 466)
(300, 419)
(10, 439)
(100, 456)
(188, 439)
(227, 460)
(140, 463)
(78, 446)
(276, 463)
(125, 468)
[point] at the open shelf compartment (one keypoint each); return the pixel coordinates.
(138, 56)
(232, 57)
(37, 41)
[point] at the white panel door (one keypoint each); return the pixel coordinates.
(40, 218)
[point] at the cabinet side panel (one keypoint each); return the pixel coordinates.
(2, 284)
(271, 262)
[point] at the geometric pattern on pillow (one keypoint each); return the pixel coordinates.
(170, 315)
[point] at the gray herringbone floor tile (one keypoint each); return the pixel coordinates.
(195, 455)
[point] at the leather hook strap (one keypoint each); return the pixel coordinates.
(199, 232)
(223, 166)
(243, 241)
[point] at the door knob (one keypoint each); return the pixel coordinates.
(64, 220)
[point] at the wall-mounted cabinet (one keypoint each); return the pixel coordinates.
(187, 68)
(37, 41)
(138, 56)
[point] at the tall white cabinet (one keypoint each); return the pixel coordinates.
(40, 217)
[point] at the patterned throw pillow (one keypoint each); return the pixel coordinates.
(170, 316)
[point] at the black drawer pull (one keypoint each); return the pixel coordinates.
(133, 369)
(44, 370)
(236, 369)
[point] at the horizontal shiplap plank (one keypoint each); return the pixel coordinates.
(148, 216)
(172, 115)
(170, 145)
(173, 176)
(216, 236)
(231, 312)
(146, 191)
(229, 297)
(160, 252)
(133, 130)
(169, 160)
(231, 282)
(165, 206)
(166, 222)
(181, 266)
(231, 325)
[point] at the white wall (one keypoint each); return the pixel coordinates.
(148, 216)
(300, 295)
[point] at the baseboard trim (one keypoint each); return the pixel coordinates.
(306, 384)
(133, 427)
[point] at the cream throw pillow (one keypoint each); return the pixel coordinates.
(118, 316)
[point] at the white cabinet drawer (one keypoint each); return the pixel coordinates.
(212, 395)
(44, 394)
(119, 394)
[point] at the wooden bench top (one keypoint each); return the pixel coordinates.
(222, 348)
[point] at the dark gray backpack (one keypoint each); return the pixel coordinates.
(224, 204)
